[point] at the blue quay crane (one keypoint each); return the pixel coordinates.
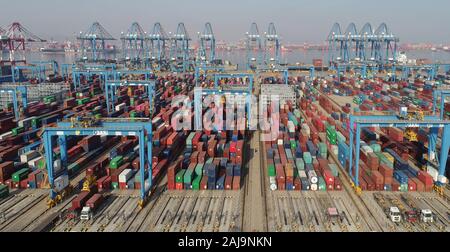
(431, 122)
(93, 40)
(207, 46)
(158, 38)
(135, 45)
(118, 128)
(179, 53)
(272, 43)
(111, 87)
(254, 47)
(13, 91)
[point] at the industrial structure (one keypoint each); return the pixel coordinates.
(361, 145)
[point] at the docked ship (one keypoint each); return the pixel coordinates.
(53, 47)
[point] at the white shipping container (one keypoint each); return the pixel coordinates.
(26, 123)
(314, 187)
(433, 172)
(120, 106)
(24, 158)
(335, 149)
(5, 135)
(302, 174)
(273, 187)
(33, 163)
(280, 141)
(313, 177)
(57, 165)
(125, 175)
(61, 182)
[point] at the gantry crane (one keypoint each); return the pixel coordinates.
(254, 47)
(13, 91)
(207, 46)
(431, 122)
(103, 74)
(353, 45)
(179, 52)
(14, 39)
(135, 45)
(206, 70)
(94, 40)
(158, 38)
(111, 86)
(53, 63)
(272, 47)
(35, 72)
(118, 127)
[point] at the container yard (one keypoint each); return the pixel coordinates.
(170, 137)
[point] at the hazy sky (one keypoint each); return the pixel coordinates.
(295, 20)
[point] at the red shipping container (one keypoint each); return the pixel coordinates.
(178, 186)
(23, 184)
(362, 184)
(228, 182)
(386, 171)
(297, 184)
(337, 184)
(281, 182)
(204, 183)
(395, 185)
(236, 182)
(419, 185)
(372, 161)
(411, 185)
(377, 178)
(388, 180)
(396, 134)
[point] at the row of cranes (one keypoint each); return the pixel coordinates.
(166, 51)
(157, 50)
(263, 51)
(377, 47)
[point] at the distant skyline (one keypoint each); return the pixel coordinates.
(296, 20)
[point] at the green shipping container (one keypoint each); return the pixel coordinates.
(403, 187)
(376, 147)
(331, 134)
(196, 183)
(307, 157)
(20, 175)
(188, 177)
(209, 161)
(115, 185)
(189, 139)
(4, 194)
(179, 176)
(321, 184)
(339, 137)
(116, 162)
(35, 122)
(322, 148)
(17, 131)
(272, 171)
(199, 169)
(300, 163)
(293, 145)
(74, 168)
(133, 114)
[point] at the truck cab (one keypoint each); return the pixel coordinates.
(86, 213)
(426, 215)
(395, 215)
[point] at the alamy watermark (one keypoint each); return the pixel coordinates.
(242, 112)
